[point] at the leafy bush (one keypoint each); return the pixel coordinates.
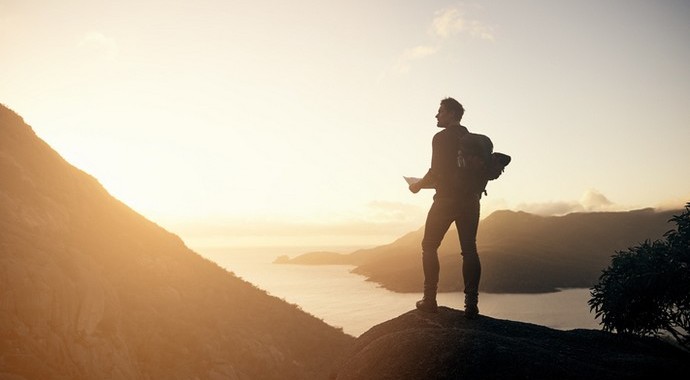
(646, 289)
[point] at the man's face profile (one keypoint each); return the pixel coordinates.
(444, 118)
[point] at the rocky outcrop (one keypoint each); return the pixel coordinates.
(89, 289)
(419, 345)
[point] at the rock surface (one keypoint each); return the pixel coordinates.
(419, 345)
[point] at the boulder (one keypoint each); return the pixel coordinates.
(418, 345)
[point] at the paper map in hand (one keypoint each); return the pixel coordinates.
(411, 180)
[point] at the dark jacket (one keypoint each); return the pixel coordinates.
(448, 177)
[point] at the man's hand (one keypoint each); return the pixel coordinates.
(415, 187)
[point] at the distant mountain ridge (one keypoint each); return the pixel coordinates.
(520, 252)
(89, 289)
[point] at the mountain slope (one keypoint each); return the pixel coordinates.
(524, 253)
(90, 289)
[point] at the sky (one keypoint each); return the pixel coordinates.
(292, 123)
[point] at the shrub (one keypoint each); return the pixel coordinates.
(646, 289)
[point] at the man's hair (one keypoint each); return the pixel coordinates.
(453, 106)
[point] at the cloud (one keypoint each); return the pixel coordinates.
(550, 208)
(479, 30)
(446, 24)
(419, 52)
(413, 54)
(453, 21)
(591, 201)
(674, 203)
(98, 43)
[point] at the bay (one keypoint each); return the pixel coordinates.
(348, 301)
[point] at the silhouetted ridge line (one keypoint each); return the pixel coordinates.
(520, 252)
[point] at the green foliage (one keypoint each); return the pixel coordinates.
(646, 289)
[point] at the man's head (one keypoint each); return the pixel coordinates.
(449, 113)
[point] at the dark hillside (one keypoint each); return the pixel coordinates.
(524, 253)
(89, 289)
(520, 252)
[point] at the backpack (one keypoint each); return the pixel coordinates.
(496, 165)
(477, 157)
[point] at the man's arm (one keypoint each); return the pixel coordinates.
(428, 180)
(431, 177)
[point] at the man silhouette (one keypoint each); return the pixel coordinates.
(458, 191)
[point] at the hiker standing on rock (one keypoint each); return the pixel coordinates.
(453, 173)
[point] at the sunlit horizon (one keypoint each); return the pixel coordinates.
(262, 123)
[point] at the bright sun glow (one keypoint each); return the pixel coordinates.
(293, 122)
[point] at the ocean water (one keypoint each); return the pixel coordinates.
(348, 301)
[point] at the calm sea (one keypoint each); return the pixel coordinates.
(347, 300)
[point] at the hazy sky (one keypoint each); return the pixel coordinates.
(293, 122)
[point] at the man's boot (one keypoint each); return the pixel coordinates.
(428, 302)
(471, 308)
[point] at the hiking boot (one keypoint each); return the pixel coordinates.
(471, 311)
(427, 305)
(471, 308)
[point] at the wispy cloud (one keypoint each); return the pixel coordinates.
(413, 54)
(97, 42)
(419, 52)
(480, 30)
(454, 21)
(550, 208)
(674, 203)
(446, 25)
(591, 201)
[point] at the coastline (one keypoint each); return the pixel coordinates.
(347, 300)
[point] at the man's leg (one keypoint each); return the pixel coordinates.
(438, 220)
(467, 224)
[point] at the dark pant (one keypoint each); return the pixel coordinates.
(444, 211)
